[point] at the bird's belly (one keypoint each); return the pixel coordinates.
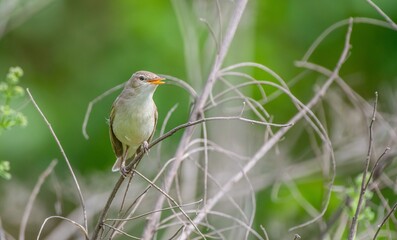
(134, 125)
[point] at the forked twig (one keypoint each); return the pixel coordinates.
(76, 183)
(120, 231)
(363, 189)
(172, 200)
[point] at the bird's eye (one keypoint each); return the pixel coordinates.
(141, 78)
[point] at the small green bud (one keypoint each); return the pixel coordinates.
(18, 91)
(12, 79)
(17, 71)
(14, 74)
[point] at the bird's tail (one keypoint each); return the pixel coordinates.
(117, 165)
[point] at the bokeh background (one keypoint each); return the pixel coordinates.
(72, 51)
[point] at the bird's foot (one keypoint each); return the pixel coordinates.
(145, 147)
(124, 171)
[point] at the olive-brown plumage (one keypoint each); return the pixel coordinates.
(133, 116)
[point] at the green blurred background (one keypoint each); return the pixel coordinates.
(72, 51)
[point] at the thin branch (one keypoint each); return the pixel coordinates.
(32, 198)
(172, 200)
(105, 210)
(65, 157)
(120, 231)
(79, 226)
(164, 125)
(91, 104)
(212, 32)
(264, 232)
(353, 227)
(226, 216)
(130, 210)
(151, 212)
(189, 124)
(180, 83)
(375, 166)
(383, 14)
(339, 24)
(385, 219)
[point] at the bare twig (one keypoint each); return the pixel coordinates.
(120, 231)
(91, 104)
(105, 210)
(264, 232)
(353, 226)
(66, 159)
(151, 212)
(189, 124)
(32, 198)
(172, 200)
(339, 24)
(180, 83)
(383, 14)
(130, 210)
(385, 219)
(79, 226)
(375, 166)
(164, 125)
(225, 216)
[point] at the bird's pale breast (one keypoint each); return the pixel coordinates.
(134, 122)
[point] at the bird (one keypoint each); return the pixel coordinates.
(133, 117)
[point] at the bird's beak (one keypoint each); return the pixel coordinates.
(156, 81)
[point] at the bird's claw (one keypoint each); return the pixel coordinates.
(124, 171)
(145, 147)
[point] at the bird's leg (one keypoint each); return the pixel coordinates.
(145, 147)
(123, 169)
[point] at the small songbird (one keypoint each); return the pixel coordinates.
(133, 117)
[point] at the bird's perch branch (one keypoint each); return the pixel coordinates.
(133, 162)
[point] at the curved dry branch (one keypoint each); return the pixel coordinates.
(76, 183)
(272, 141)
(79, 226)
(91, 105)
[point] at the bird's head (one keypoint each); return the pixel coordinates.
(142, 82)
(145, 79)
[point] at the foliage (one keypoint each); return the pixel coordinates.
(354, 194)
(9, 90)
(10, 117)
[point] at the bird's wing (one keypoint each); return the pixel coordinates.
(116, 144)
